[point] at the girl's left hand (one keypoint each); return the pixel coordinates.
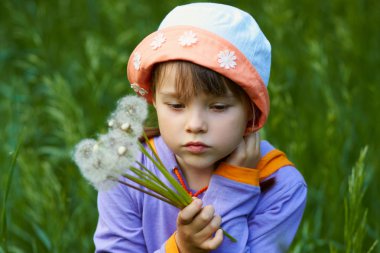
(247, 154)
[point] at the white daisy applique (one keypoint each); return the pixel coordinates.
(188, 38)
(136, 61)
(227, 59)
(158, 40)
(135, 87)
(138, 89)
(143, 92)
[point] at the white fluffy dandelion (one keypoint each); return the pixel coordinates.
(129, 115)
(102, 162)
(87, 157)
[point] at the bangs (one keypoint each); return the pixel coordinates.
(192, 79)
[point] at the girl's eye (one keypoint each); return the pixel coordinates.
(176, 106)
(219, 107)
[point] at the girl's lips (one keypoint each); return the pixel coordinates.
(196, 147)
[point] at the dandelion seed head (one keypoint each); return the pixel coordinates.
(135, 107)
(100, 171)
(123, 118)
(104, 160)
(111, 143)
(83, 152)
(90, 162)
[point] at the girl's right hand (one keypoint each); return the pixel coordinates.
(247, 154)
(196, 227)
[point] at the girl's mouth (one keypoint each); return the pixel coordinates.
(196, 147)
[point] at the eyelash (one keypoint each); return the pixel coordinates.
(175, 106)
(215, 107)
(220, 107)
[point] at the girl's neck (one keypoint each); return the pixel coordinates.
(196, 178)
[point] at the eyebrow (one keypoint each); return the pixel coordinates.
(169, 94)
(177, 95)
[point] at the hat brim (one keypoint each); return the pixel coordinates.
(215, 53)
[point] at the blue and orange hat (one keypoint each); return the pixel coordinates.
(222, 38)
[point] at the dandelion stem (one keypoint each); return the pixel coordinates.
(147, 192)
(184, 196)
(229, 236)
(147, 174)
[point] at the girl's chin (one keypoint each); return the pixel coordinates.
(198, 164)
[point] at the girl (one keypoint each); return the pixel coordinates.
(206, 70)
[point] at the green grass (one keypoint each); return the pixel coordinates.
(62, 69)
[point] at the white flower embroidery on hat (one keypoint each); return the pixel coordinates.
(158, 40)
(226, 59)
(138, 89)
(188, 38)
(137, 61)
(135, 87)
(142, 91)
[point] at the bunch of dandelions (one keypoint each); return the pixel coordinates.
(103, 161)
(112, 158)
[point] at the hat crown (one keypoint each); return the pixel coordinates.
(230, 23)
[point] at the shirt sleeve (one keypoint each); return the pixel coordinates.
(120, 227)
(274, 223)
(234, 193)
(261, 221)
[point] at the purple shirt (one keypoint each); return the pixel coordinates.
(131, 221)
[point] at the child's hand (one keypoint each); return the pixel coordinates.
(195, 229)
(247, 154)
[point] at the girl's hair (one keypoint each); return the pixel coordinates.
(192, 79)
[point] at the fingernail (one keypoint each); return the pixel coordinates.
(198, 202)
(215, 222)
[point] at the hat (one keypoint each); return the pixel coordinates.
(219, 37)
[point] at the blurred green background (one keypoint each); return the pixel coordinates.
(62, 69)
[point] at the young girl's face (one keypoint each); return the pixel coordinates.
(201, 130)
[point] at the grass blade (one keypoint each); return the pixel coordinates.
(3, 228)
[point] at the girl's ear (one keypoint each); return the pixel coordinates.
(249, 127)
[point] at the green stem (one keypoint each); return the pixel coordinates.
(229, 236)
(3, 228)
(153, 188)
(144, 191)
(159, 182)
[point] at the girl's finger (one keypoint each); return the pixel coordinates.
(253, 149)
(252, 141)
(238, 156)
(187, 214)
(210, 229)
(214, 242)
(203, 218)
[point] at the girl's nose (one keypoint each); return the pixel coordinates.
(196, 122)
